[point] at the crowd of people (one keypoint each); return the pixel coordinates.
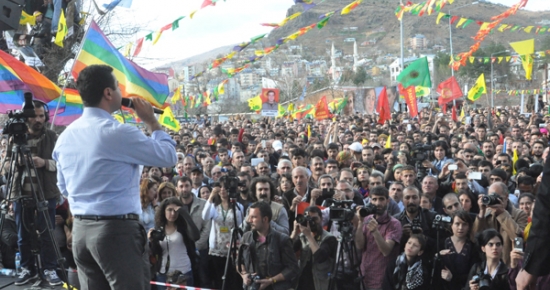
(342, 203)
(452, 201)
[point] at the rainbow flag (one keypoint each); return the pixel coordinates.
(73, 108)
(134, 81)
(16, 76)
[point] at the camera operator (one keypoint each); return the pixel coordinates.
(415, 219)
(263, 189)
(266, 257)
(495, 211)
(318, 250)
(492, 272)
(377, 237)
(41, 142)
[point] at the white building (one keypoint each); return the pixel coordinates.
(395, 66)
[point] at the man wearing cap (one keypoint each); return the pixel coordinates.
(356, 149)
(41, 33)
(197, 178)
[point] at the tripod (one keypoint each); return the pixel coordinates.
(235, 232)
(346, 246)
(34, 202)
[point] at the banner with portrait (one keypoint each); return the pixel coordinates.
(365, 100)
(270, 102)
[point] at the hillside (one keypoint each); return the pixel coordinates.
(376, 19)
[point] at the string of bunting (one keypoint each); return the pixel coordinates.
(205, 98)
(462, 22)
(484, 31)
(499, 59)
(421, 8)
(154, 37)
(520, 92)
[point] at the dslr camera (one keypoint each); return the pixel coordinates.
(158, 234)
(340, 210)
(255, 282)
(441, 221)
(491, 199)
(484, 281)
(416, 227)
(368, 209)
(304, 220)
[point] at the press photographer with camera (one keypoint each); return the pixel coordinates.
(495, 211)
(266, 257)
(41, 142)
(173, 240)
(219, 210)
(492, 272)
(318, 250)
(377, 237)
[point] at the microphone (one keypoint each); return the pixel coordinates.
(126, 102)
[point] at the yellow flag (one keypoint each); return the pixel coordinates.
(462, 115)
(61, 30)
(515, 158)
(308, 131)
(439, 16)
(461, 21)
(472, 59)
(502, 27)
(127, 49)
(192, 14)
(528, 29)
(478, 89)
(350, 7)
(168, 120)
(290, 108)
(525, 49)
(157, 37)
(388, 142)
(255, 103)
(221, 87)
(177, 95)
(26, 18)
(484, 26)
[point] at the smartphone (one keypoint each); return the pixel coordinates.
(405, 121)
(440, 115)
(474, 175)
(327, 193)
(518, 244)
(263, 144)
(409, 127)
(542, 125)
(453, 167)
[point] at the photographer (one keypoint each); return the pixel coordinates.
(492, 272)
(377, 237)
(41, 142)
(497, 213)
(266, 257)
(173, 240)
(263, 189)
(318, 250)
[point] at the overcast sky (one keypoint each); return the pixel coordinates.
(226, 23)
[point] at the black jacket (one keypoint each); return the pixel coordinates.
(500, 282)
(537, 254)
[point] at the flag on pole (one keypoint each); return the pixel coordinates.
(383, 107)
(133, 79)
(525, 49)
(61, 30)
(453, 114)
(449, 90)
(308, 131)
(416, 74)
(409, 94)
(255, 103)
(388, 142)
(168, 120)
(321, 109)
(515, 158)
(26, 18)
(478, 89)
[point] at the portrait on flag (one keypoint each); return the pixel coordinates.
(369, 101)
(270, 102)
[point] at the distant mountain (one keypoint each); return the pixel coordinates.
(376, 29)
(198, 59)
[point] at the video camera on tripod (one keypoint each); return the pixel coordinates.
(17, 122)
(419, 153)
(231, 184)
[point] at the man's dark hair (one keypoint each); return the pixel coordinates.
(387, 151)
(485, 163)
(265, 209)
(238, 144)
(234, 131)
(528, 195)
(244, 174)
(461, 175)
(92, 81)
(506, 155)
(331, 161)
(223, 142)
(223, 150)
(500, 173)
(184, 179)
(262, 179)
(299, 152)
(313, 209)
(380, 191)
(526, 179)
(332, 146)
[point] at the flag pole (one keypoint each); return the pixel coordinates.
(67, 79)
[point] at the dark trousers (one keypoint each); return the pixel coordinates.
(204, 275)
(233, 279)
(111, 254)
(24, 216)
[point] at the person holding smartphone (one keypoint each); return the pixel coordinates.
(491, 271)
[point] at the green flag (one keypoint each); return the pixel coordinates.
(416, 74)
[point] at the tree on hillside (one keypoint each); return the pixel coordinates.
(360, 76)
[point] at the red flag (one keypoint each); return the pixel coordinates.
(321, 109)
(383, 107)
(455, 118)
(449, 90)
(207, 3)
(138, 47)
(409, 94)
